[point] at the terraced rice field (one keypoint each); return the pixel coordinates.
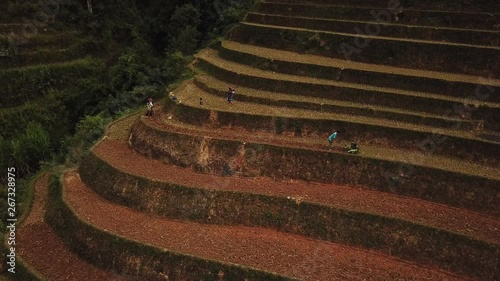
(250, 190)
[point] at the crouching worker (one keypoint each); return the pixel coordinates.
(353, 149)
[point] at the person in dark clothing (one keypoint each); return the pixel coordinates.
(353, 149)
(230, 95)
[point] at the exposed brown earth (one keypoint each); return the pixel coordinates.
(117, 153)
(44, 251)
(316, 143)
(285, 254)
(288, 255)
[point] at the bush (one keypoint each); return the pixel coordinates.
(88, 130)
(187, 40)
(184, 16)
(29, 148)
(174, 66)
(183, 32)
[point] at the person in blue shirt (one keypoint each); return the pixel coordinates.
(331, 138)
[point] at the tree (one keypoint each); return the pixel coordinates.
(183, 29)
(89, 6)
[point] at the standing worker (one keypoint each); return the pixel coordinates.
(331, 138)
(230, 95)
(150, 107)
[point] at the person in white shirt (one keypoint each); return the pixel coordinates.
(150, 107)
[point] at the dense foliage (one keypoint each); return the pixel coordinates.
(133, 50)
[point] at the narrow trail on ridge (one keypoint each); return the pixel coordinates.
(40, 247)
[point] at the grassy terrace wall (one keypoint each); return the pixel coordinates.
(361, 96)
(413, 17)
(226, 157)
(34, 42)
(475, 37)
(33, 82)
(484, 152)
(361, 111)
(127, 257)
(444, 5)
(13, 120)
(418, 55)
(55, 41)
(5, 46)
(396, 237)
(389, 80)
(46, 56)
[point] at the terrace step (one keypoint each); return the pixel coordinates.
(214, 86)
(34, 42)
(408, 53)
(490, 6)
(302, 123)
(40, 247)
(423, 18)
(368, 95)
(115, 155)
(224, 114)
(385, 169)
(35, 110)
(20, 29)
(41, 57)
(257, 251)
(29, 82)
(218, 103)
(388, 30)
(215, 203)
(441, 83)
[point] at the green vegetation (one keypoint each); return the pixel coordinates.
(57, 103)
(28, 83)
(105, 63)
(88, 131)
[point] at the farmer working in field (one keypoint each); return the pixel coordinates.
(353, 149)
(150, 107)
(230, 95)
(331, 138)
